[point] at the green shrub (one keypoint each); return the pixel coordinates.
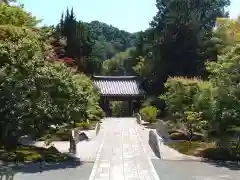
(184, 94)
(85, 125)
(217, 99)
(117, 108)
(16, 16)
(95, 113)
(149, 114)
(37, 91)
(193, 122)
(61, 134)
(225, 75)
(156, 102)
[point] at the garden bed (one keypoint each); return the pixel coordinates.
(32, 154)
(63, 133)
(206, 150)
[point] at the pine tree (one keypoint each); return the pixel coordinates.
(78, 43)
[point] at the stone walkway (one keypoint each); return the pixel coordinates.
(122, 155)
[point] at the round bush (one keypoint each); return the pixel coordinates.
(149, 114)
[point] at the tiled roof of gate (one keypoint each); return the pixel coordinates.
(118, 85)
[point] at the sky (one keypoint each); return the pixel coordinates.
(129, 15)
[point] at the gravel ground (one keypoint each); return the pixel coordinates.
(193, 170)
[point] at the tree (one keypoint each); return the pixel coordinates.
(16, 16)
(179, 40)
(36, 90)
(78, 44)
(193, 122)
(113, 39)
(228, 30)
(120, 64)
(7, 1)
(224, 74)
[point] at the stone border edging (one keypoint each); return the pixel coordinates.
(156, 177)
(97, 128)
(139, 118)
(154, 143)
(94, 169)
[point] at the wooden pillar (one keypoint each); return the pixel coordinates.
(130, 105)
(101, 103)
(108, 109)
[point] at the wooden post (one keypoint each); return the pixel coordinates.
(130, 107)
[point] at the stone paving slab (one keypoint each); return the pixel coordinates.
(122, 154)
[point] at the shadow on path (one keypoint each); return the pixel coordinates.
(9, 169)
(195, 170)
(229, 165)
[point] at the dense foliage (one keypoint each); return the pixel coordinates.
(89, 44)
(211, 106)
(149, 114)
(118, 65)
(37, 90)
(225, 76)
(184, 95)
(78, 43)
(110, 39)
(178, 42)
(117, 109)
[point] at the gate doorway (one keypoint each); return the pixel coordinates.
(119, 109)
(121, 92)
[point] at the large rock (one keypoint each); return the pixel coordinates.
(82, 137)
(178, 135)
(181, 135)
(53, 149)
(154, 143)
(162, 130)
(198, 137)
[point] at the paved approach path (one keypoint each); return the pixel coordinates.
(122, 155)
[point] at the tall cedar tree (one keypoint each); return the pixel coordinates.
(78, 41)
(180, 37)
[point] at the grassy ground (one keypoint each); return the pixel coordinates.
(63, 133)
(192, 148)
(31, 154)
(206, 150)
